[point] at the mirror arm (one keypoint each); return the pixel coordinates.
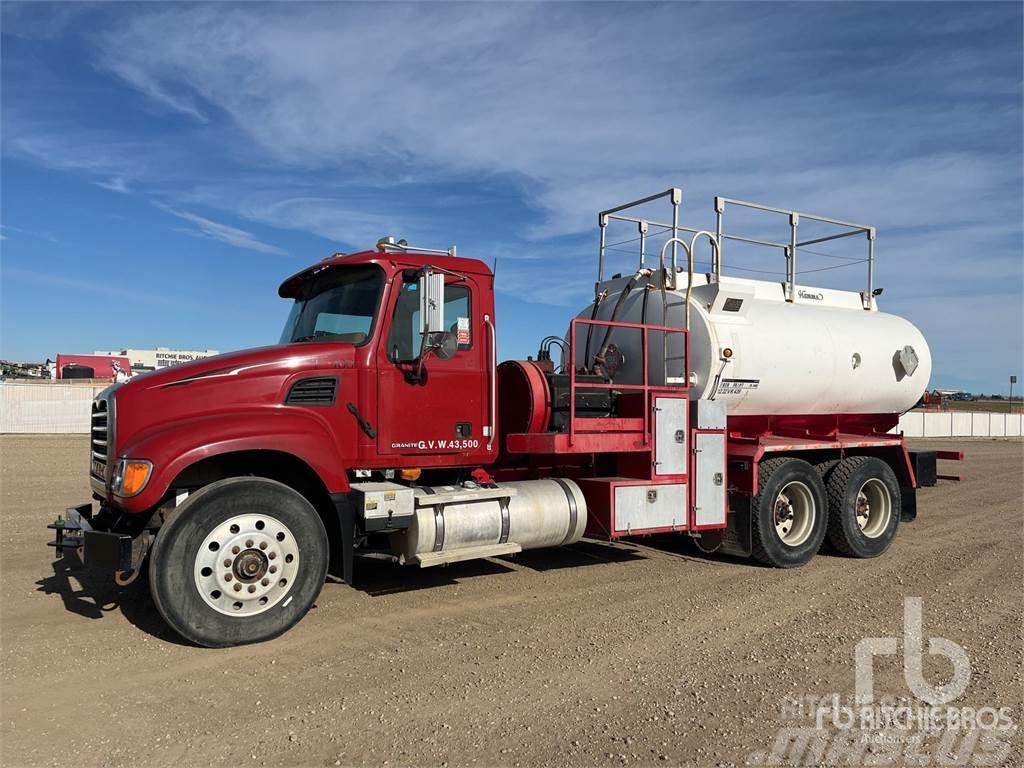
(424, 349)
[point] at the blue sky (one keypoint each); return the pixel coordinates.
(165, 165)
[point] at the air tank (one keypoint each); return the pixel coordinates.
(822, 353)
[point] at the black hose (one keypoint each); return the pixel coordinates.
(590, 328)
(615, 314)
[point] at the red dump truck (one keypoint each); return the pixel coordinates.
(754, 417)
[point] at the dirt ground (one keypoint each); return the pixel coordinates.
(593, 655)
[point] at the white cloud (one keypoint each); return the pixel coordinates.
(94, 287)
(203, 227)
(138, 77)
(115, 184)
(35, 235)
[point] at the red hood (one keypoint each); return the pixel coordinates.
(244, 362)
(250, 380)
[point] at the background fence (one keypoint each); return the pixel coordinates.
(45, 407)
(960, 424)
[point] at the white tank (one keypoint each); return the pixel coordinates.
(823, 353)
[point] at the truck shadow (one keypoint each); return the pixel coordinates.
(377, 577)
(93, 596)
(578, 555)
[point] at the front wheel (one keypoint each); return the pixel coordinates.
(789, 515)
(242, 561)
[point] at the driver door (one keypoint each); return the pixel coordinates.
(445, 409)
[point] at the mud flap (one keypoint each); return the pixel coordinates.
(736, 539)
(343, 555)
(908, 510)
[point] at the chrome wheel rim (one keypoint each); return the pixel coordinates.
(246, 565)
(873, 508)
(795, 513)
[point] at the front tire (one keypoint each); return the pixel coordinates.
(864, 506)
(241, 562)
(789, 515)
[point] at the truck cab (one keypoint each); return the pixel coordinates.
(374, 303)
(385, 367)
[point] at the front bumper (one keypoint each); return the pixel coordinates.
(116, 553)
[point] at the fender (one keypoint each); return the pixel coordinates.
(173, 448)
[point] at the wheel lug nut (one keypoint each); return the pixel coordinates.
(252, 587)
(265, 582)
(273, 569)
(248, 543)
(272, 555)
(263, 545)
(227, 563)
(238, 587)
(227, 577)
(235, 550)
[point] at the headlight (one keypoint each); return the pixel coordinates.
(131, 477)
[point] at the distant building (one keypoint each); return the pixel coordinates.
(102, 366)
(161, 357)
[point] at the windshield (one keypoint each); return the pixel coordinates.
(339, 304)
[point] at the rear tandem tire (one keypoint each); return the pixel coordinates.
(241, 562)
(864, 506)
(789, 515)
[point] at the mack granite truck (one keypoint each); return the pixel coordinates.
(757, 418)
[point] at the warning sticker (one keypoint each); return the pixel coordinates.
(462, 334)
(737, 386)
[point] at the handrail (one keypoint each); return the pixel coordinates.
(675, 196)
(645, 386)
(689, 270)
(493, 428)
(791, 249)
(719, 237)
(716, 258)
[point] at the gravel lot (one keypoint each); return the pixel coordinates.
(594, 655)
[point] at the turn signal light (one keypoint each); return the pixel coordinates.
(134, 476)
(410, 474)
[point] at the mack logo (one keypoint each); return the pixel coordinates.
(806, 295)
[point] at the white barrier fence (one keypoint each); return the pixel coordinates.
(43, 407)
(960, 424)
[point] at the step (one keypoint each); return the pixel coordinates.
(428, 559)
(458, 495)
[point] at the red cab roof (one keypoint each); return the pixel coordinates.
(289, 288)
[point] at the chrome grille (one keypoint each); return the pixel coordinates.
(100, 437)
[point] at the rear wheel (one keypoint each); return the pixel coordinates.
(242, 561)
(864, 506)
(788, 515)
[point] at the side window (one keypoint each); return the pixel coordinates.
(404, 336)
(457, 314)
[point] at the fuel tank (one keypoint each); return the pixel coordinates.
(822, 353)
(536, 513)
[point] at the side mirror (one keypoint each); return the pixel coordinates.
(431, 289)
